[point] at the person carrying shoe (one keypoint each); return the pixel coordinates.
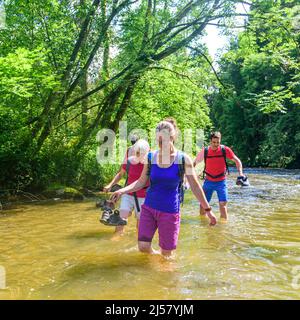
(130, 151)
(133, 168)
(215, 171)
(161, 209)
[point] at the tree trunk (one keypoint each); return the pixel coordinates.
(84, 103)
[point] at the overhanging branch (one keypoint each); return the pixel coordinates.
(175, 72)
(211, 65)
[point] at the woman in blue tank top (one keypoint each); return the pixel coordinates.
(163, 193)
(161, 209)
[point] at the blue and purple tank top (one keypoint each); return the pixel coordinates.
(163, 193)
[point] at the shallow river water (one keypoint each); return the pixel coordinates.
(59, 250)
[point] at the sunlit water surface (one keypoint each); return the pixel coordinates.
(59, 250)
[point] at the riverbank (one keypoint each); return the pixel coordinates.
(56, 191)
(12, 198)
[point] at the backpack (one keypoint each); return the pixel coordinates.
(181, 172)
(223, 156)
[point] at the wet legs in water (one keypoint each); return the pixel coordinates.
(222, 208)
(124, 215)
(146, 247)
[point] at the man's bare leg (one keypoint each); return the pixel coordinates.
(119, 230)
(124, 215)
(223, 210)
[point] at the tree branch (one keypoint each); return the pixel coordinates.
(136, 112)
(81, 39)
(175, 47)
(173, 35)
(61, 104)
(125, 103)
(242, 2)
(95, 48)
(77, 115)
(147, 24)
(211, 18)
(102, 86)
(102, 117)
(225, 26)
(211, 65)
(179, 16)
(44, 24)
(175, 72)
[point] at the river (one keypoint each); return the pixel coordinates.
(59, 250)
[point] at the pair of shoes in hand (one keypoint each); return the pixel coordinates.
(112, 218)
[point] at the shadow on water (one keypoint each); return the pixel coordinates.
(98, 234)
(106, 276)
(93, 208)
(12, 211)
(4, 214)
(110, 268)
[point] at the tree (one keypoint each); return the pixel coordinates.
(259, 113)
(99, 53)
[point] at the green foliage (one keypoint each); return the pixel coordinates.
(25, 74)
(259, 112)
(281, 146)
(56, 56)
(43, 52)
(178, 88)
(170, 92)
(25, 77)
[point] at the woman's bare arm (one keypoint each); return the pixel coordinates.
(133, 187)
(115, 180)
(196, 187)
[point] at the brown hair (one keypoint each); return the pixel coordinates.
(174, 123)
(171, 120)
(166, 125)
(215, 134)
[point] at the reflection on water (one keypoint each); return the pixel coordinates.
(61, 251)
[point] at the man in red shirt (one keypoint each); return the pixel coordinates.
(216, 169)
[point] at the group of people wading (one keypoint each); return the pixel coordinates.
(155, 182)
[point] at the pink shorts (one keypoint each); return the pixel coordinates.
(166, 223)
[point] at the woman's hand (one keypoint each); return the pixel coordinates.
(116, 196)
(212, 217)
(197, 189)
(107, 188)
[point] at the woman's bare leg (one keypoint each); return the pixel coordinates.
(167, 253)
(146, 247)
